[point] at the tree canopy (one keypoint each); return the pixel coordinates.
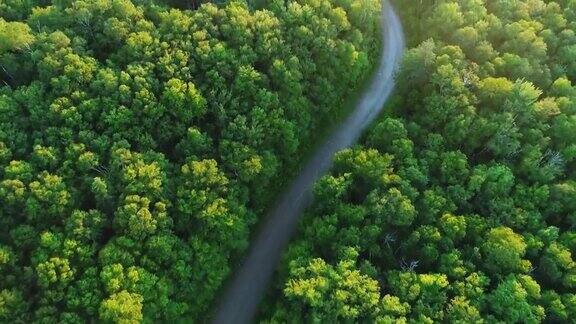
(458, 206)
(140, 140)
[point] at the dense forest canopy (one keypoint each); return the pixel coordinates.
(460, 204)
(139, 141)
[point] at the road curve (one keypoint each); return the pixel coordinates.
(242, 297)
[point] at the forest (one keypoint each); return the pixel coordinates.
(141, 140)
(459, 205)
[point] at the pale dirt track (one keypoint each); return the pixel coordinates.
(244, 293)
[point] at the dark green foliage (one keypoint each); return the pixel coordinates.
(461, 205)
(139, 142)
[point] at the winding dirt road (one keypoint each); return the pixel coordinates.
(240, 301)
